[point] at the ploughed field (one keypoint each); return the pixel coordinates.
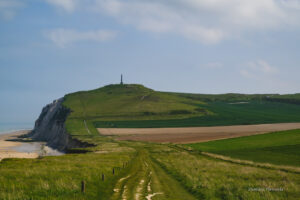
(193, 134)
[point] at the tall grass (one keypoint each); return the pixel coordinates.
(281, 148)
(60, 177)
(213, 179)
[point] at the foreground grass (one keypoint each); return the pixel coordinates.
(60, 177)
(281, 148)
(209, 178)
(159, 171)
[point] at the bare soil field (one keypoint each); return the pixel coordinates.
(193, 134)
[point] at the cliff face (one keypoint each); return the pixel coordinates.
(50, 127)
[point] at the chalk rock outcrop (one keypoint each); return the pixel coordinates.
(50, 127)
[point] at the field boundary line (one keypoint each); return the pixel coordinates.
(86, 127)
(254, 164)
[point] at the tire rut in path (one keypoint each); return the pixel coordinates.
(147, 180)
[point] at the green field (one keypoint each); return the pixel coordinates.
(281, 148)
(163, 171)
(224, 113)
(135, 106)
(169, 172)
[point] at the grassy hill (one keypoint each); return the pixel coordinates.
(131, 102)
(134, 106)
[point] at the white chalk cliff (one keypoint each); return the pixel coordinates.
(50, 127)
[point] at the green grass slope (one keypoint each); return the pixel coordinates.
(134, 106)
(281, 148)
(125, 102)
(223, 113)
(130, 102)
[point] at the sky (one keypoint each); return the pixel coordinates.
(49, 48)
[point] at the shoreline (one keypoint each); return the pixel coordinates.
(7, 147)
(14, 133)
(19, 149)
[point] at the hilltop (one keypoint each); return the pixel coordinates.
(131, 101)
(133, 105)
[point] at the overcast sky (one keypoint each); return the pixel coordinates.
(52, 47)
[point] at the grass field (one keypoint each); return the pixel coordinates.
(208, 178)
(224, 113)
(281, 148)
(60, 177)
(151, 171)
(135, 106)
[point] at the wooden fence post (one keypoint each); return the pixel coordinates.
(102, 177)
(82, 186)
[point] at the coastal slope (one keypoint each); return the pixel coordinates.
(50, 127)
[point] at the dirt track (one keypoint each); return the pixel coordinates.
(194, 134)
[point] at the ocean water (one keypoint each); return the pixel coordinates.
(11, 127)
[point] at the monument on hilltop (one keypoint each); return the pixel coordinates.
(121, 79)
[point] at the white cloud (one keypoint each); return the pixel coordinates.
(8, 8)
(64, 37)
(262, 66)
(207, 21)
(259, 68)
(159, 17)
(67, 5)
(266, 77)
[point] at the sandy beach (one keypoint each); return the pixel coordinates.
(7, 147)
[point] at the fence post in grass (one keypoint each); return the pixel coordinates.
(82, 186)
(113, 171)
(102, 177)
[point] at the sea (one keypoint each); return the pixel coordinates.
(11, 127)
